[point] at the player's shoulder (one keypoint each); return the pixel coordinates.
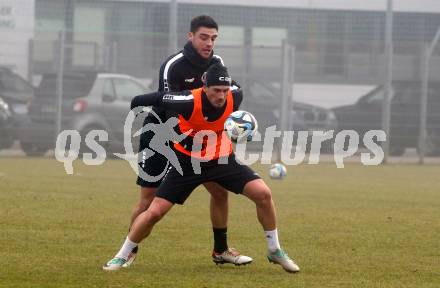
(217, 59)
(235, 87)
(237, 93)
(172, 60)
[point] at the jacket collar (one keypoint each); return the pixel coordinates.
(191, 54)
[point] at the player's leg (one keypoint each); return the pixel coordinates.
(260, 194)
(257, 191)
(222, 253)
(153, 166)
(144, 201)
(242, 180)
(219, 215)
(219, 206)
(140, 229)
(174, 189)
(145, 222)
(148, 166)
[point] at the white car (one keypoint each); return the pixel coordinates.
(90, 101)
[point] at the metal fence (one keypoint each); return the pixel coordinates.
(336, 65)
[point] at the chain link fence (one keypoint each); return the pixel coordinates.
(336, 65)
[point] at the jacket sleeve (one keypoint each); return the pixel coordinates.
(180, 102)
(169, 77)
(237, 93)
(217, 59)
(149, 99)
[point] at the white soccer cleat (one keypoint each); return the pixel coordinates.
(130, 259)
(231, 256)
(114, 264)
(280, 257)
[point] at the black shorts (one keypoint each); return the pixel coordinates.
(231, 176)
(153, 165)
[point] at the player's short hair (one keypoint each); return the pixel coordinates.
(202, 21)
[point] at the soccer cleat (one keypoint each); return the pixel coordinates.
(281, 257)
(130, 259)
(114, 264)
(231, 256)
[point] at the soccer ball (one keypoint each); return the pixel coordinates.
(240, 126)
(277, 171)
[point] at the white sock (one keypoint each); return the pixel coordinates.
(126, 248)
(272, 240)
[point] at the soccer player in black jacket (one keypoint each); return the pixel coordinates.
(200, 111)
(183, 71)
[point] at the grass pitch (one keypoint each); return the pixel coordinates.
(354, 227)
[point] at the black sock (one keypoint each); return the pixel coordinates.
(220, 239)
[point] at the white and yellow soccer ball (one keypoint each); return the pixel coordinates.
(277, 171)
(241, 126)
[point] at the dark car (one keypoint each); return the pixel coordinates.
(90, 101)
(16, 93)
(263, 101)
(366, 114)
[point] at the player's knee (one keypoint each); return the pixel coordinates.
(263, 195)
(155, 215)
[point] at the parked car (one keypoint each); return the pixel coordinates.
(90, 100)
(366, 115)
(15, 94)
(263, 101)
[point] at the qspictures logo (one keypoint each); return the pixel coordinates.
(345, 144)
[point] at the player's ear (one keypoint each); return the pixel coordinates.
(190, 36)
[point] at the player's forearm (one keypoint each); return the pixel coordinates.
(150, 99)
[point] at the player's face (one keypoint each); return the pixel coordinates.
(217, 95)
(203, 40)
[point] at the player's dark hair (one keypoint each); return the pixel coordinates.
(202, 21)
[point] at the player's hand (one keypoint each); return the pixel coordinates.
(235, 83)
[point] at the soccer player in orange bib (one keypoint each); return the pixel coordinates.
(201, 110)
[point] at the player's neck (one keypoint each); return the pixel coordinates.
(208, 106)
(191, 54)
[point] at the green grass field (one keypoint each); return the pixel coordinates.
(354, 227)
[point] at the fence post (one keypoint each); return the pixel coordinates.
(30, 69)
(172, 36)
(247, 52)
(386, 108)
(427, 54)
(423, 105)
(286, 92)
(60, 76)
